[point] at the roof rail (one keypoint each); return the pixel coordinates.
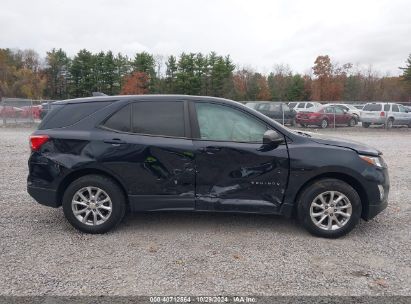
(98, 94)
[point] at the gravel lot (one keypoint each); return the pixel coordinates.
(203, 254)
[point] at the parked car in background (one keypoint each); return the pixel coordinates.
(103, 156)
(325, 116)
(9, 112)
(387, 114)
(31, 112)
(349, 108)
(252, 104)
(279, 111)
(304, 106)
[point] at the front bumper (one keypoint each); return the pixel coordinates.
(377, 194)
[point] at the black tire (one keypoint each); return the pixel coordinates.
(113, 190)
(365, 124)
(324, 123)
(312, 191)
(303, 125)
(389, 123)
(352, 122)
(293, 123)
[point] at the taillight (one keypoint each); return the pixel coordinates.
(382, 114)
(36, 141)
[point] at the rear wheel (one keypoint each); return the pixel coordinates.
(389, 123)
(324, 124)
(329, 208)
(94, 204)
(365, 124)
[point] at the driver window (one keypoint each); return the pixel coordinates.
(223, 123)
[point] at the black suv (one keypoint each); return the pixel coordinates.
(99, 157)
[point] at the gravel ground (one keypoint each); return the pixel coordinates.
(203, 254)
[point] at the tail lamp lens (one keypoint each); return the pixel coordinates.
(36, 141)
(382, 114)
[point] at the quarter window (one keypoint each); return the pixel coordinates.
(222, 123)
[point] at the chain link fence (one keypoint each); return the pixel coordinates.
(17, 112)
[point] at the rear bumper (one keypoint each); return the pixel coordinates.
(47, 197)
(373, 120)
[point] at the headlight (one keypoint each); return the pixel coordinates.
(373, 160)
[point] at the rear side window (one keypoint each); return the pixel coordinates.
(301, 105)
(395, 108)
(120, 121)
(69, 114)
(159, 118)
(386, 107)
(372, 107)
(309, 105)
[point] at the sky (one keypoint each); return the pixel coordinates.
(257, 34)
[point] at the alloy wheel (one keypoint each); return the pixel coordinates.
(330, 210)
(91, 206)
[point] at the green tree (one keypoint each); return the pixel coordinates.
(82, 74)
(145, 62)
(171, 72)
(295, 90)
(57, 66)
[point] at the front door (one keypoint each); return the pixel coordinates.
(232, 172)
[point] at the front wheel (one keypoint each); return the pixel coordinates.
(329, 208)
(365, 124)
(94, 204)
(352, 122)
(324, 124)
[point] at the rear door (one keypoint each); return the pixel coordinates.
(232, 173)
(148, 144)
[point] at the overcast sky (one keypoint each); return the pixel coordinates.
(255, 33)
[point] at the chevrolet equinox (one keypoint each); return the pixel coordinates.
(99, 157)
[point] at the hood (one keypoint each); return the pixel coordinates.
(338, 142)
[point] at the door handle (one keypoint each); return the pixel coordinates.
(115, 141)
(210, 149)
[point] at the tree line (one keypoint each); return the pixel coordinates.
(23, 73)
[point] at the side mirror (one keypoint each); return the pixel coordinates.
(271, 140)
